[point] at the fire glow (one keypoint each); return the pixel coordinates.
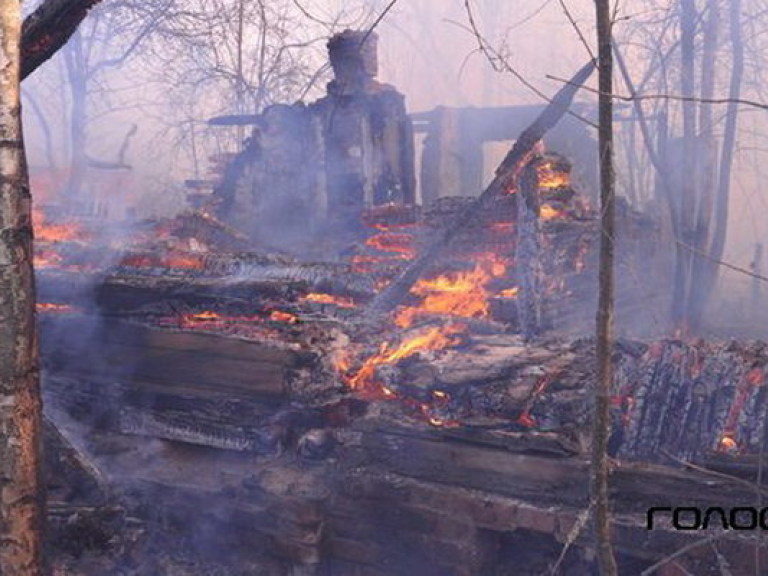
(179, 261)
(320, 298)
(550, 177)
(50, 307)
(461, 294)
(397, 243)
(365, 380)
(547, 213)
(47, 232)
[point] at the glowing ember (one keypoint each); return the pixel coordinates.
(550, 177)
(186, 262)
(547, 212)
(754, 378)
(208, 318)
(441, 423)
(525, 419)
(174, 260)
(366, 263)
(510, 292)
(205, 316)
(461, 294)
(340, 301)
(727, 445)
(51, 307)
(280, 316)
(397, 243)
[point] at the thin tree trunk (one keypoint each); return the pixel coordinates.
(687, 201)
(605, 338)
(729, 141)
(21, 490)
(706, 176)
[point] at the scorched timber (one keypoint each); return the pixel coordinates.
(129, 289)
(192, 387)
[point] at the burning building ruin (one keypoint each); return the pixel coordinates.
(307, 172)
(256, 376)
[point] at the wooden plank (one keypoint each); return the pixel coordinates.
(543, 479)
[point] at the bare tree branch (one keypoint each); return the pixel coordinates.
(500, 64)
(673, 97)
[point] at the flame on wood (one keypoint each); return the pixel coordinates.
(461, 294)
(321, 298)
(365, 380)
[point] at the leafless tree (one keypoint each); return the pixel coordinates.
(235, 58)
(605, 321)
(680, 42)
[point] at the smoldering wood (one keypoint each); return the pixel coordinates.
(390, 297)
(389, 483)
(208, 402)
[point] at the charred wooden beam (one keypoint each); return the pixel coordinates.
(48, 28)
(527, 253)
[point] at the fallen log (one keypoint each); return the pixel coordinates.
(506, 174)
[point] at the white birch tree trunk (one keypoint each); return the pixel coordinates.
(21, 490)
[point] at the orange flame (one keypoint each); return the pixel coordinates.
(434, 338)
(510, 292)
(551, 178)
(398, 243)
(727, 444)
(280, 316)
(320, 298)
(205, 316)
(461, 294)
(547, 212)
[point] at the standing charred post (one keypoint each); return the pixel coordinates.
(605, 335)
(21, 492)
(527, 252)
(367, 134)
